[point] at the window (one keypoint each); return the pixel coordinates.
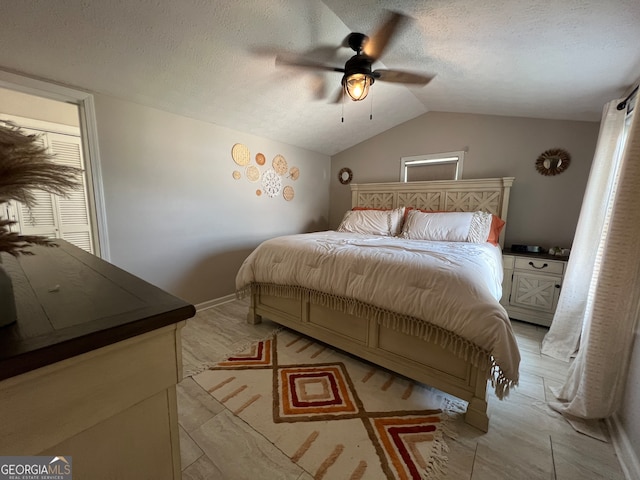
(436, 166)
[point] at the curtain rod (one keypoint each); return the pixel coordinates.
(623, 104)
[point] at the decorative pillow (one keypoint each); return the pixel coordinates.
(448, 227)
(497, 224)
(371, 221)
(480, 227)
(398, 216)
(471, 227)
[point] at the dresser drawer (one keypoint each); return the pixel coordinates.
(539, 265)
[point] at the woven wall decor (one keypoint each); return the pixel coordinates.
(253, 173)
(345, 176)
(270, 179)
(240, 154)
(271, 183)
(280, 165)
(553, 161)
(288, 193)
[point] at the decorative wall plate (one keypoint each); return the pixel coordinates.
(288, 193)
(240, 154)
(280, 165)
(553, 161)
(253, 173)
(260, 159)
(271, 183)
(345, 176)
(294, 173)
(237, 175)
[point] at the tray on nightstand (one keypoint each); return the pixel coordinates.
(543, 254)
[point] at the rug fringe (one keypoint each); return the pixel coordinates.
(191, 372)
(437, 466)
(438, 462)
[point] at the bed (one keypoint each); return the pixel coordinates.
(369, 295)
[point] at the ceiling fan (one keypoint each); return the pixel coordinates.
(358, 75)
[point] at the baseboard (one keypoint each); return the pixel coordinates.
(624, 449)
(215, 302)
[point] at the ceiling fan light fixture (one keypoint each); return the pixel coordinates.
(357, 85)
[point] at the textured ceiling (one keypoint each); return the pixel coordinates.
(214, 60)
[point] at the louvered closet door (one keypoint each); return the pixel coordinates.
(54, 216)
(40, 219)
(73, 213)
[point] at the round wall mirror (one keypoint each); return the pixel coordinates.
(553, 161)
(345, 176)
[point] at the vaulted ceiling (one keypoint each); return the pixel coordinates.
(214, 60)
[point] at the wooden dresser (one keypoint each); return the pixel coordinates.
(89, 369)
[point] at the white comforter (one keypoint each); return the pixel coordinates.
(454, 285)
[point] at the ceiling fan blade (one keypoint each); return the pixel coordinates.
(398, 76)
(319, 86)
(321, 53)
(376, 43)
(301, 62)
(337, 98)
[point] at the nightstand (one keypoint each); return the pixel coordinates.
(531, 285)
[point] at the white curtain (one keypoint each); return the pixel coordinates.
(564, 335)
(596, 378)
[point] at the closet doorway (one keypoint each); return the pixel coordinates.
(57, 126)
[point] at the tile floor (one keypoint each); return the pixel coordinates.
(526, 439)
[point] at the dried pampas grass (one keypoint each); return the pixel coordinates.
(16, 244)
(26, 166)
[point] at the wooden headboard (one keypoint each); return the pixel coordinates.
(486, 194)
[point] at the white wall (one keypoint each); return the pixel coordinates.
(175, 215)
(542, 211)
(29, 106)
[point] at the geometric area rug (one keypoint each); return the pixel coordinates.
(334, 415)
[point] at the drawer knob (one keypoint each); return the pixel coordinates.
(539, 268)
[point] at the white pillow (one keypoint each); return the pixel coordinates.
(480, 228)
(373, 222)
(396, 219)
(471, 227)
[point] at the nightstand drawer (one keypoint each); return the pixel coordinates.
(539, 265)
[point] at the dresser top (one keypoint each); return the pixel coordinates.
(70, 302)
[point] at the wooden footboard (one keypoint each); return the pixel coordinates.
(423, 361)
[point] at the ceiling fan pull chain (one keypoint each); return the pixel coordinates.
(371, 107)
(343, 105)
